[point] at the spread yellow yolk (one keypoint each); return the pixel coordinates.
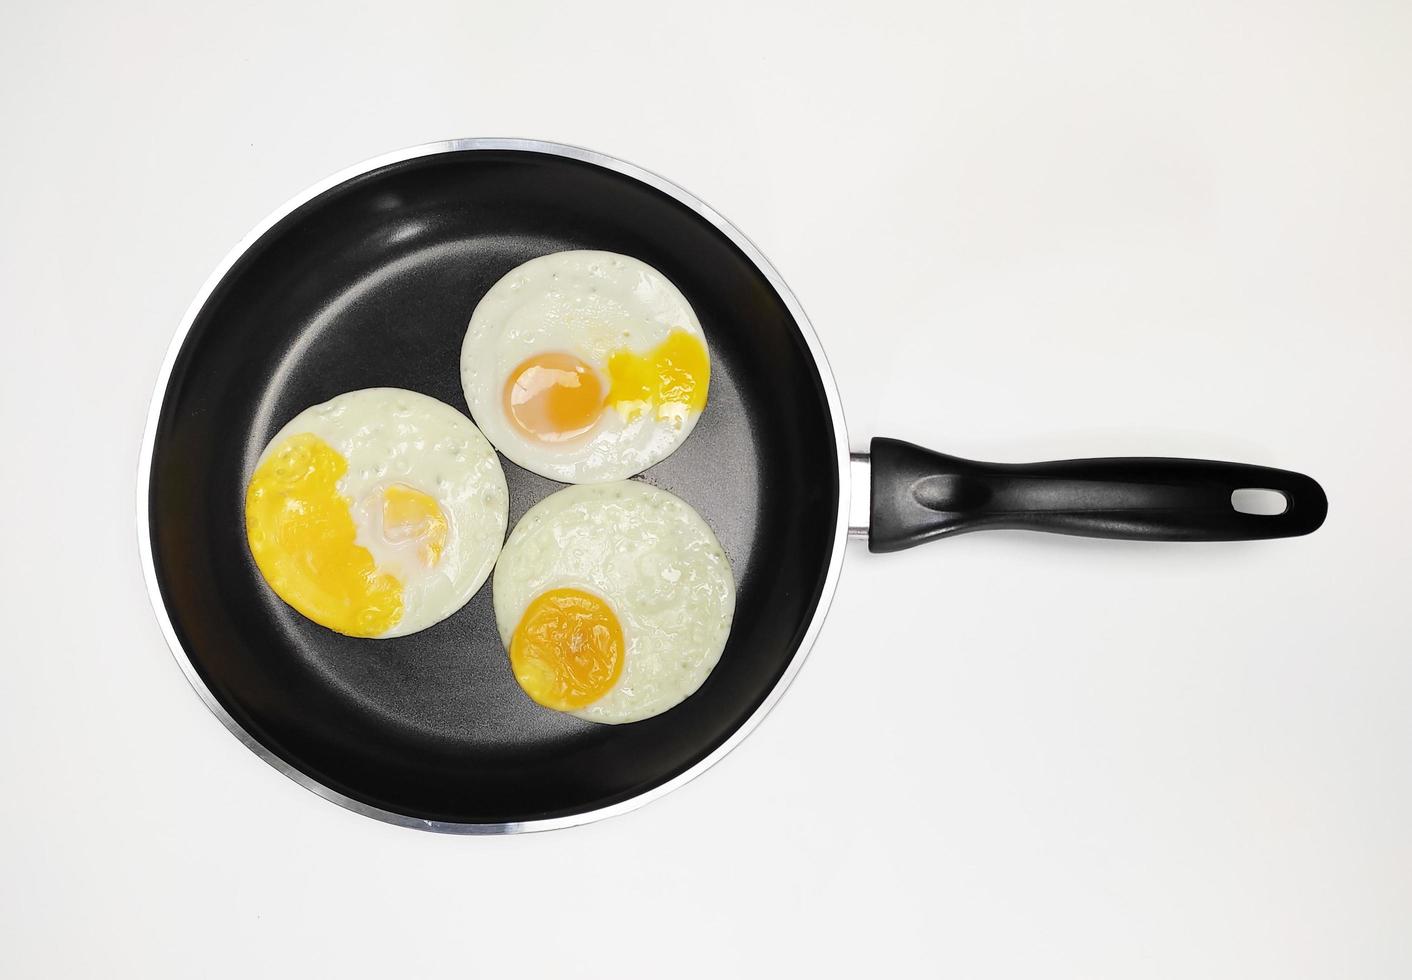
(410, 515)
(553, 397)
(301, 533)
(673, 377)
(567, 651)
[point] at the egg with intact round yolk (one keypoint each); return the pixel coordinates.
(613, 600)
(585, 366)
(553, 397)
(378, 513)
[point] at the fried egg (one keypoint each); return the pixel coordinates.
(378, 513)
(613, 601)
(585, 367)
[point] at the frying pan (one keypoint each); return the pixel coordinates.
(368, 279)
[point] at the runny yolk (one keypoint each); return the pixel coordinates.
(672, 377)
(301, 533)
(556, 397)
(410, 515)
(567, 651)
(553, 397)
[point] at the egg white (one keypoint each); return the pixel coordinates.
(390, 435)
(589, 304)
(656, 563)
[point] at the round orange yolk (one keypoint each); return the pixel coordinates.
(567, 651)
(553, 397)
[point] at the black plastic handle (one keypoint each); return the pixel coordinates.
(918, 495)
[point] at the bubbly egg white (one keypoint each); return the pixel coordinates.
(392, 436)
(589, 304)
(656, 563)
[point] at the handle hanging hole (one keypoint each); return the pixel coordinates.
(1261, 503)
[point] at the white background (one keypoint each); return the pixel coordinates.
(1021, 233)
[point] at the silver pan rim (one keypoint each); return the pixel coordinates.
(839, 533)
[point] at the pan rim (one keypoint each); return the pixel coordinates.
(593, 157)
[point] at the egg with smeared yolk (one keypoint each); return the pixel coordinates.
(378, 513)
(567, 650)
(614, 601)
(585, 366)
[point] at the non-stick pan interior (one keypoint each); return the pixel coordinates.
(372, 284)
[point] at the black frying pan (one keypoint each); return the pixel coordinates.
(368, 280)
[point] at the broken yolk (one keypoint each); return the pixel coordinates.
(556, 397)
(672, 377)
(567, 651)
(301, 534)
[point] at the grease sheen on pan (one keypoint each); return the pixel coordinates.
(613, 600)
(378, 513)
(585, 366)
